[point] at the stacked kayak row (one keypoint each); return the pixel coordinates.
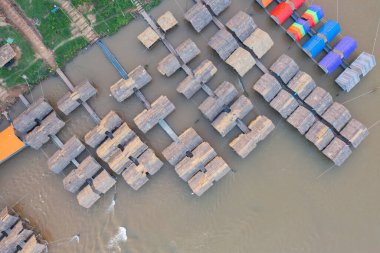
(320, 41)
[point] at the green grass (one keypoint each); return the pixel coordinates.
(53, 27)
(111, 15)
(26, 65)
(68, 51)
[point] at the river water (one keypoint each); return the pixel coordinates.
(284, 197)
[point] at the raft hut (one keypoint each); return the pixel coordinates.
(302, 84)
(91, 193)
(225, 93)
(124, 88)
(242, 25)
(284, 103)
(285, 68)
(337, 151)
(40, 135)
(17, 235)
(148, 118)
(268, 87)
(319, 100)
(320, 134)
(148, 37)
(337, 115)
(217, 6)
(259, 42)
(167, 21)
(198, 16)
(6, 54)
(223, 43)
(62, 158)
(226, 121)
(302, 119)
(87, 169)
(33, 115)
(186, 51)
(201, 75)
(105, 128)
(245, 143)
(241, 60)
(72, 100)
(355, 132)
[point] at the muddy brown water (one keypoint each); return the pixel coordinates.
(283, 198)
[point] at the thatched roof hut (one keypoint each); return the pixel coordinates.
(337, 115)
(167, 21)
(187, 51)
(302, 119)
(223, 43)
(337, 151)
(212, 106)
(124, 157)
(137, 175)
(355, 132)
(7, 219)
(32, 245)
(320, 134)
(202, 74)
(302, 84)
(148, 37)
(226, 121)
(40, 135)
(245, 143)
(62, 158)
(267, 86)
(202, 181)
(199, 16)
(6, 54)
(17, 236)
(189, 166)
(259, 42)
(71, 100)
(27, 120)
(241, 60)
(242, 25)
(168, 65)
(108, 124)
(102, 183)
(147, 119)
(217, 6)
(137, 79)
(319, 99)
(176, 151)
(285, 68)
(77, 177)
(284, 103)
(121, 136)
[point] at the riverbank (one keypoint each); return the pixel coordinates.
(59, 35)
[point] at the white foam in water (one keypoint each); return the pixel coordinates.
(75, 238)
(120, 236)
(111, 207)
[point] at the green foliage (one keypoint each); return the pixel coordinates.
(69, 50)
(26, 65)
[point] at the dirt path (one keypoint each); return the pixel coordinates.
(16, 18)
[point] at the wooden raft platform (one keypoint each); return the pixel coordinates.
(195, 161)
(120, 147)
(17, 235)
